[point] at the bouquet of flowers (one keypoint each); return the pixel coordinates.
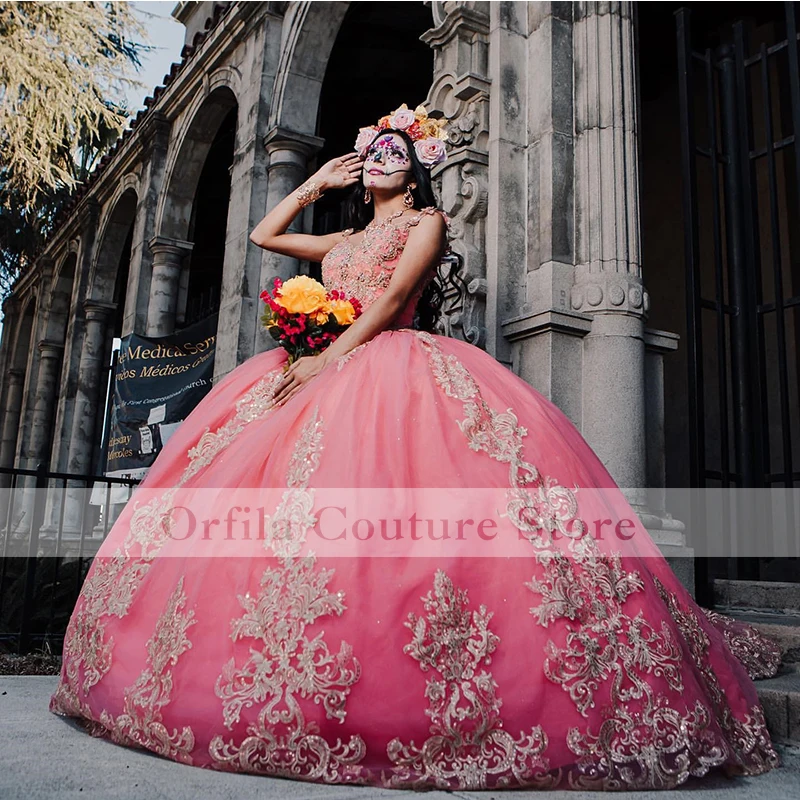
(304, 317)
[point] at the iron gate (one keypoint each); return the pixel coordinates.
(740, 150)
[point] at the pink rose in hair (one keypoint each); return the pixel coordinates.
(402, 119)
(430, 151)
(364, 138)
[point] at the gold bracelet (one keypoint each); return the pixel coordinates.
(308, 193)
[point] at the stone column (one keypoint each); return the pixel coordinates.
(507, 214)
(608, 280)
(622, 391)
(82, 440)
(45, 396)
(50, 360)
(10, 318)
(15, 381)
(168, 255)
(545, 333)
(288, 153)
(74, 337)
(460, 92)
(29, 357)
(152, 137)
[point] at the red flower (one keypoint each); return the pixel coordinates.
(414, 131)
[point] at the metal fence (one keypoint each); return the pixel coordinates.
(51, 526)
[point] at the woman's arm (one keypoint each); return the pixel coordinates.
(271, 234)
(425, 245)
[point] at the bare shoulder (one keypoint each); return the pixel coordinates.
(428, 223)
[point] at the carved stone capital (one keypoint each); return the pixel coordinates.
(50, 349)
(167, 247)
(89, 213)
(97, 311)
(279, 138)
(11, 306)
(461, 71)
(622, 293)
(456, 19)
(583, 9)
(45, 264)
(153, 133)
(528, 325)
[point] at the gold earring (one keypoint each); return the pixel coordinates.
(408, 198)
(367, 196)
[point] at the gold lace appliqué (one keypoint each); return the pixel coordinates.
(286, 666)
(114, 581)
(642, 742)
(748, 738)
(468, 747)
(364, 270)
(760, 656)
(140, 723)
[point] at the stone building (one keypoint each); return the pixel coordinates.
(564, 182)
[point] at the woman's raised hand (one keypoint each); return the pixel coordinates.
(338, 173)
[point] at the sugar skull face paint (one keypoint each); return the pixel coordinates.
(386, 156)
(392, 149)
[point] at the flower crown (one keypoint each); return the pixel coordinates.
(427, 133)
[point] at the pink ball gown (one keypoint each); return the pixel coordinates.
(563, 661)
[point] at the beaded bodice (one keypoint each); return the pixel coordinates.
(364, 268)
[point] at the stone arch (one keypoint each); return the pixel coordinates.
(189, 247)
(309, 33)
(23, 334)
(113, 250)
(60, 296)
(103, 311)
(127, 186)
(370, 33)
(188, 155)
(63, 325)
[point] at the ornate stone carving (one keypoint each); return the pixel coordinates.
(460, 92)
(619, 292)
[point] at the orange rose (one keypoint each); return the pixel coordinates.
(343, 311)
(302, 295)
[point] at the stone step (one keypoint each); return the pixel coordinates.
(780, 697)
(759, 595)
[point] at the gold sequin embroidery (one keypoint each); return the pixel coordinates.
(760, 656)
(284, 665)
(364, 270)
(748, 737)
(112, 585)
(642, 742)
(140, 723)
(468, 748)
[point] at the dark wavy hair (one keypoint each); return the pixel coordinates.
(358, 214)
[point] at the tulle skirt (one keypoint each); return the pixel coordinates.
(323, 644)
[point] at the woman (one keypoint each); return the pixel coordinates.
(532, 650)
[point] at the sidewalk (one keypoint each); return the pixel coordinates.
(44, 756)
